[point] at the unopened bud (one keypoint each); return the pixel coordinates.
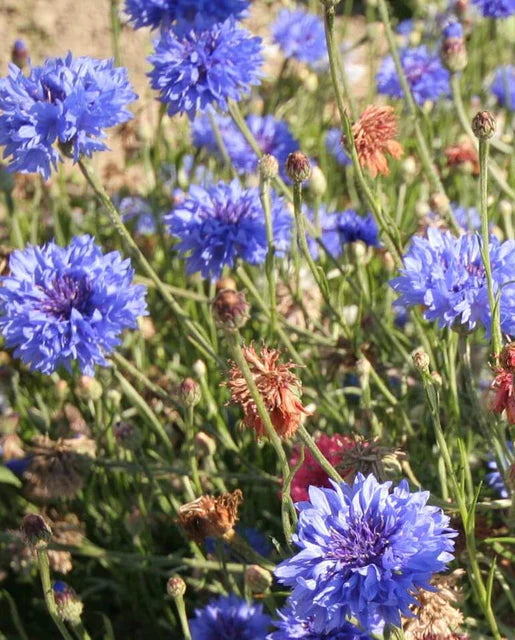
(483, 125)
(62, 388)
(453, 50)
(69, 606)
(205, 445)
(188, 392)
(507, 357)
(437, 379)
(409, 169)
(19, 54)
(421, 360)
(147, 327)
(230, 309)
(226, 283)
(176, 587)
(439, 203)
(317, 182)
(199, 368)
(36, 531)
(298, 167)
(268, 167)
(89, 389)
(127, 435)
(258, 580)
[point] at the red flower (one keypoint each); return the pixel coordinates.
(460, 154)
(505, 396)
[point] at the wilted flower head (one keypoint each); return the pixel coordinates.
(334, 145)
(427, 78)
(364, 550)
(374, 135)
(300, 35)
(230, 618)
(463, 153)
(278, 386)
(210, 517)
(204, 64)
(503, 86)
(435, 614)
(162, 13)
(65, 304)
(504, 385)
(446, 275)
(496, 8)
(69, 101)
(36, 531)
(223, 222)
(290, 627)
(58, 468)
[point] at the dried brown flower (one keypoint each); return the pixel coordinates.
(58, 468)
(278, 386)
(374, 135)
(210, 517)
(66, 530)
(300, 316)
(368, 456)
(461, 154)
(436, 616)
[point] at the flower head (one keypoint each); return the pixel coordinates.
(463, 153)
(427, 78)
(62, 304)
(496, 8)
(138, 209)
(223, 222)
(230, 618)
(289, 627)
(210, 517)
(162, 13)
(503, 86)
(504, 384)
(69, 101)
(446, 275)
(300, 35)
(204, 64)
(374, 135)
(364, 550)
(334, 146)
(278, 386)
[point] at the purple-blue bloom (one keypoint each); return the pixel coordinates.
(503, 86)
(300, 35)
(467, 217)
(364, 551)
(495, 8)
(494, 478)
(137, 208)
(230, 618)
(69, 101)
(273, 136)
(289, 627)
(62, 304)
(426, 76)
(162, 13)
(223, 222)
(201, 64)
(453, 29)
(334, 146)
(446, 275)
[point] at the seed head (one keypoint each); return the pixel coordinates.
(36, 531)
(230, 309)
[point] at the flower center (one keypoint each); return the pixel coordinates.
(361, 544)
(67, 293)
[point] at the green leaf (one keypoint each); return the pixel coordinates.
(8, 477)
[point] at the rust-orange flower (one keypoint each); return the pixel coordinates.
(278, 386)
(462, 154)
(210, 517)
(374, 135)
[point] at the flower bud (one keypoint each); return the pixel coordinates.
(226, 283)
(258, 580)
(409, 169)
(89, 389)
(437, 379)
(36, 531)
(199, 368)
(453, 51)
(298, 167)
(268, 167)
(19, 53)
(188, 392)
(230, 309)
(483, 125)
(147, 327)
(439, 203)
(205, 445)
(176, 587)
(317, 182)
(421, 361)
(505, 208)
(127, 435)
(69, 606)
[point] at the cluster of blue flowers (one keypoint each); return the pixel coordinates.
(65, 304)
(273, 136)
(446, 275)
(223, 222)
(364, 550)
(496, 8)
(341, 228)
(300, 35)
(503, 86)
(163, 13)
(66, 101)
(426, 76)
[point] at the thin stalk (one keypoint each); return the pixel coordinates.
(264, 195)
(306, 438)
(181, 612)
(115, 31)
(44, 571)
(220, 142)
(80, 631)
(194, 333)
(190, 446)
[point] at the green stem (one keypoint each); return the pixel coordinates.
(306, 438)
(115, 31)
(181, 612)
(80, 631)
(264, 194)
(44, 571)
(220, 142)
(190, 446)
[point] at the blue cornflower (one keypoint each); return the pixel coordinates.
(405, 27)
(496, 8)
(453, 29)
(300, 35)
(446, 275)
(69, 101)
(161, 13)
(426, 76)
(341, 228)
(503, 86)
(467, 217)
(364, 552)
(494, 478)
(223, 222)
(62, 304)
(230, 618)
(135, 207)
(334, 146)
(291, 628)
(201, 64)
(273, 136)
